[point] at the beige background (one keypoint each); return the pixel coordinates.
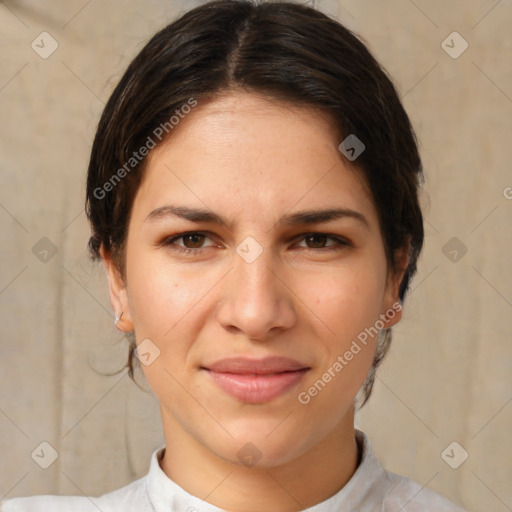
(447, 377)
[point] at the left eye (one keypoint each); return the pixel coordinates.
(321, 239)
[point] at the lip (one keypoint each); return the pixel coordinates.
(256, 380)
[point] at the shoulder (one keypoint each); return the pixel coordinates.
(46, 502)
(132, 497)
(375, 488)
(406, 495)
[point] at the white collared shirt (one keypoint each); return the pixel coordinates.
(371, 489)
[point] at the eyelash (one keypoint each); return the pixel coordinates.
(169, 242)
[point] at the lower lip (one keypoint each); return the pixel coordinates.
(257, 389)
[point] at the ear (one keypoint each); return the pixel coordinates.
(118, 293)
(391, 312)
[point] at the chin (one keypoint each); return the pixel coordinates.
(260, 455)
(258, 445)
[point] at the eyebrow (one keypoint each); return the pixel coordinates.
(291, 219)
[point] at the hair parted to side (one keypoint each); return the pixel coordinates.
(283, 50)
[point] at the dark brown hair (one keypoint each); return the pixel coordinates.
(283, 50)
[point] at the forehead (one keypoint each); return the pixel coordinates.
(249, 154)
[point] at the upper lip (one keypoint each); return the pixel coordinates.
(243, 365)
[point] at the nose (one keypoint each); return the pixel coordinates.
(256, 300)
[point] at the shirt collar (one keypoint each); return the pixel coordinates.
(164, 494)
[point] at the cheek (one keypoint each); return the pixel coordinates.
(167, 304)
(349, 305)
(347, 300)
(160, 295)
(161, 300)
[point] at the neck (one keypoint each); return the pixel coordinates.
(311, 478)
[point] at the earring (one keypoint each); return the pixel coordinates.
(118, 317)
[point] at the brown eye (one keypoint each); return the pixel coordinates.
(195, 239)
(190, 242)
(317, 240)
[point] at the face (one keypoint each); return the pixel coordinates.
(215, 299)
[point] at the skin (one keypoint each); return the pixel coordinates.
(253, 160)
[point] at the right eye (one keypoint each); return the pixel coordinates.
(194, 238)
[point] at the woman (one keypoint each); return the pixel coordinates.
(253, 194)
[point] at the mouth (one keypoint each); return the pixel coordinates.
(256, 381)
